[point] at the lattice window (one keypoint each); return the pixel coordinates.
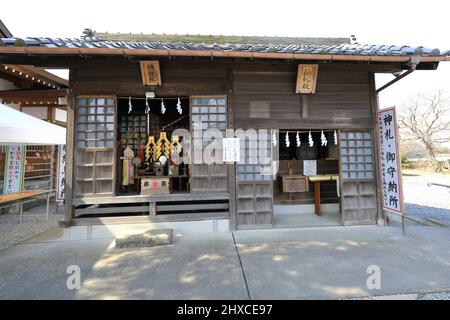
(248, 170)
(211, 112)
(95, 123)
(356, 155)
(95, 146)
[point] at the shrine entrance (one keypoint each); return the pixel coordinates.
(306, 189)
(149, 154)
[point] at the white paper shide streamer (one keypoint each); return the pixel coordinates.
(310, 139)
(335, 138)
(163, 107)
(179, 108)
(147, 107)
(288, 143)
(297, 138)
(147, 112)
(323, 139)
(274, 138)
(130, 106)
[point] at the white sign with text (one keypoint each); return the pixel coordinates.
(231, 149)
(309, 168)
(389, 157)
(61, 178)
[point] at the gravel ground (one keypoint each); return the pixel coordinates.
(422, 201)
(436, 296)
(13, 232)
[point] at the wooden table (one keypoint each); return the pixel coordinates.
(317, 180)
(19, 198)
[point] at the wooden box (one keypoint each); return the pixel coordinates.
(294, 183)
(155, 185)
(159, 169)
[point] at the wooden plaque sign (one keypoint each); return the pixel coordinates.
(307, 78)
(151, 75)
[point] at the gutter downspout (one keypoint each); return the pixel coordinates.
(414, 61)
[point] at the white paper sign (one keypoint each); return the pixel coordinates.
(231, 149)
(309, 168)
(389, 156)
(14, 169)
(61, 178)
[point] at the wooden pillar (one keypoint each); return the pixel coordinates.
(152, 208)
(70, 146)
(317, 198)
(375, 107)
(231, 167)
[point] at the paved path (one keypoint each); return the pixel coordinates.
(310, 263)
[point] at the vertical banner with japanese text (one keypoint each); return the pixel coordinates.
(61, 177)
(14, 169)
(389, 157)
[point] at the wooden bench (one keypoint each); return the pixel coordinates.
(19, 198)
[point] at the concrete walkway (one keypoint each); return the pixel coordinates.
(309, 263)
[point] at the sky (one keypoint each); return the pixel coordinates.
(396, 22)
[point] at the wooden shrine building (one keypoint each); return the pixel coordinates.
(311, 103)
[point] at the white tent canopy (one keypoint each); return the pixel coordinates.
(19, 128)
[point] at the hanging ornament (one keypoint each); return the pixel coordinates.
(163, 107)
(323, 139)
(130, 106)
(147, 107)
(335, 138)
(147, 112)
(310, 139)
(288, 143)
(274, 138)
(297, 138)
(180, 110)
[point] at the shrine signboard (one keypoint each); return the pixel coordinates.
(389, 157)
(307, 78)
(14, 169)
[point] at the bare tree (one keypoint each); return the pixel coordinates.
(426, 118)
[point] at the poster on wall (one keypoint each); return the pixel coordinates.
(231, 150)
(14, 169)
(309, 168)
(61, 177)
(389, 157)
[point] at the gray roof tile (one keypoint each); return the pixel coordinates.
(333, 49)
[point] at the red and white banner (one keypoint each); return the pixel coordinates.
(14, 169)
(389, 157)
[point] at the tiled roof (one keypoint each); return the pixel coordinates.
(4, 32)
(211, 39)
(345, 49)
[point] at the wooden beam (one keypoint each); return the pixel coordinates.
(33, 94)
(153, 198)
(207, 53)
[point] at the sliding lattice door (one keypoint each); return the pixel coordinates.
(358, 177)
(208, 113)
(95, 146)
